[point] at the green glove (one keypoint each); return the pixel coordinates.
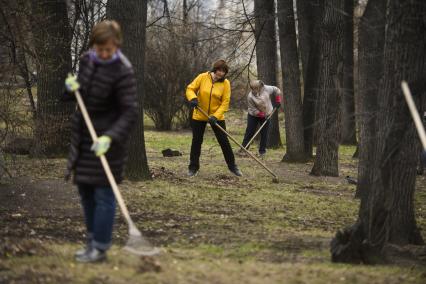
(101, 146)
(71, 83)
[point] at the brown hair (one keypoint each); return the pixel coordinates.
(220, 65)
(103, 31)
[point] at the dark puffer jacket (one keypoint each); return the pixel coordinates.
(109, 92)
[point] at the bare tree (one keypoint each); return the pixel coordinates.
(132, 14)
(348, 100)
(308, 22)
(330, 78)
(372, 25)
(291, 83)
(52, 40)
(386, 221)
(266, 57)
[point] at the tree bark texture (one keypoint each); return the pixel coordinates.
(266, 57)
(348, 99)
(330, 85)
(291, 83)
(308, 17)
(132, 14)
(52, 40)
(386, 216)
(372, 26)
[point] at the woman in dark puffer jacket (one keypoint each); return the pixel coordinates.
(108, 87)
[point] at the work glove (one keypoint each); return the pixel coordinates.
(212, 120)
(277, 102)
(71, 83)
(101, 146)
(193, 103)
(260, 114)
(424, 158)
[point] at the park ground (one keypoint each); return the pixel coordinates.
(214, 228)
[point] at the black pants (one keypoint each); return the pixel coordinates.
(198, 128)
(252, 122)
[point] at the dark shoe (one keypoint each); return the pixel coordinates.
(93, 255)
(236, 171)
(192, 173)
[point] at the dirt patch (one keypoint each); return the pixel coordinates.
(324, 191)
(165, 174)
(149, 264)
(47, 209)
(19, 248)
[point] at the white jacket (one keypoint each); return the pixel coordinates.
(262, 101)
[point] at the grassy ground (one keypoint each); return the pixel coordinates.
(215, 228)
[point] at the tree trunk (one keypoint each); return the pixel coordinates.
(386, 216)
(266, 57)
(52, 40)
(131, 14)
(291, 83)
(308, 17)
(372, 25)
(348, 99)
(330, 78)
(305, 22)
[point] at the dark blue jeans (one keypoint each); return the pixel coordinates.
(252, 122)
(99, 209)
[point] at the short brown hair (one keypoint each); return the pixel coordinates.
(103, 31)
(220, 65)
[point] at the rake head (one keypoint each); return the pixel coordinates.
(138, 245)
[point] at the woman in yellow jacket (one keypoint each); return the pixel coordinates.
(211, 92)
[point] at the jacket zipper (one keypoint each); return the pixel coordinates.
(210, 99)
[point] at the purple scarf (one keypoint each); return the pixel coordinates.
(94, 57)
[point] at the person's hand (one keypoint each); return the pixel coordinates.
(424, 158)
(101, 146)
(212, 119)
(71, 83)
(277, 102)
(193, 103)
(261, 114)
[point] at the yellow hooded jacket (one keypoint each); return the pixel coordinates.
(212, 98)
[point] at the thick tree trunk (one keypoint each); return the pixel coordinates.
(52, 40)
(370, 55)
(291, 83)
(330, 78)
(308, 17)
(386, 216)
(348, 99)
(131, 14)
(266, 57)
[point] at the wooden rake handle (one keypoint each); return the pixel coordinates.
(241, 146)
(105, 164)
(414, 113)
(260, 128)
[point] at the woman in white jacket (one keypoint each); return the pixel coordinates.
(261, 101)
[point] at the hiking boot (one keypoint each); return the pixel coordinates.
(192, 173)
(236, 171)
(262, 156)
(93, 255)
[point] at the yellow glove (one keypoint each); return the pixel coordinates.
(71, 83)
(101, 146)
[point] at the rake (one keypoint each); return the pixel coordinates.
(136, 243)
(275, 179)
